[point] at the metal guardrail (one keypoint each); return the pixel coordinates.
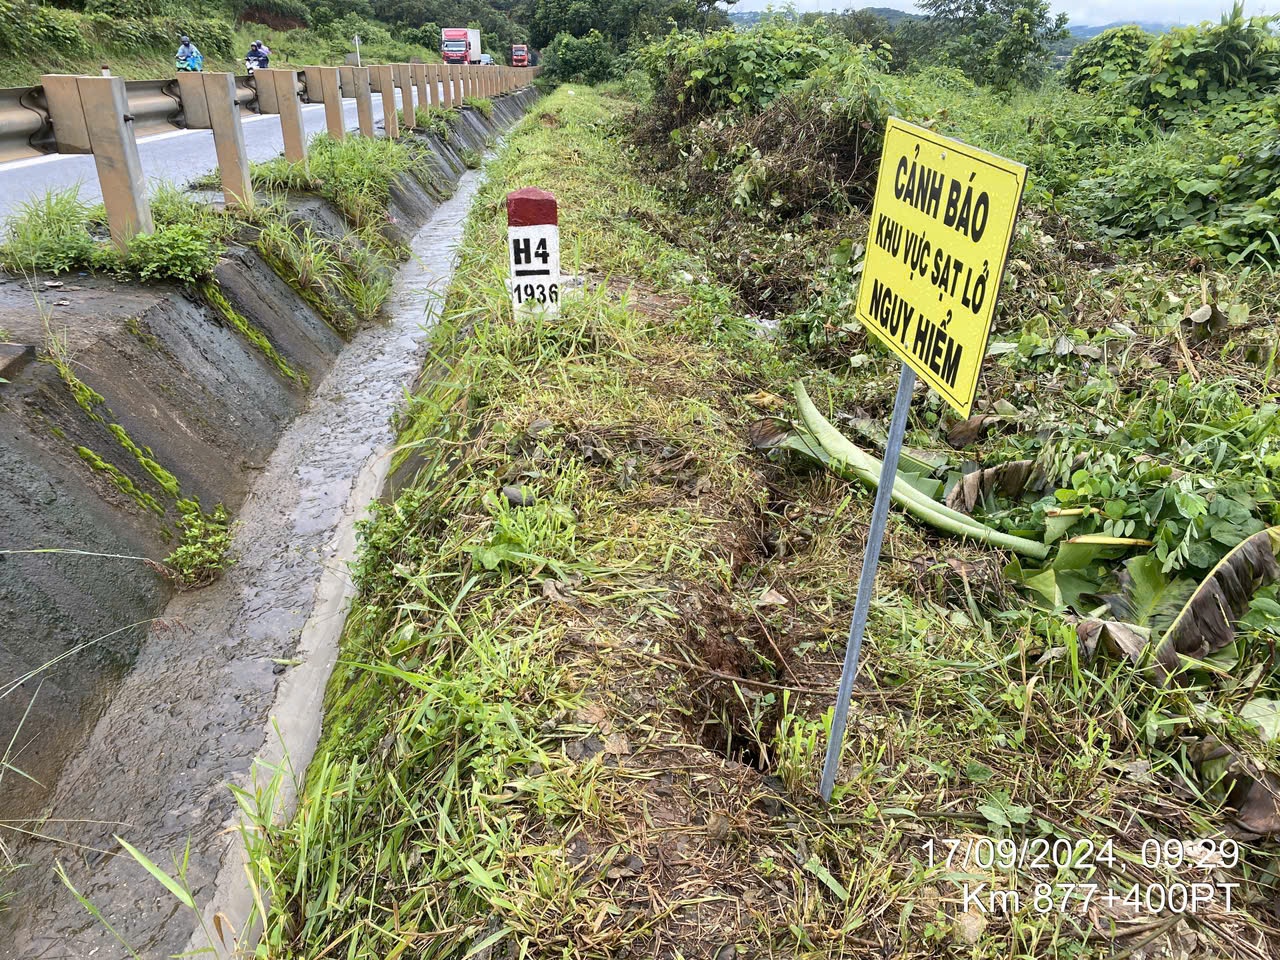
(26, 129)
(155, 105)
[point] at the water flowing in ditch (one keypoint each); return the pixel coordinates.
(237, 674)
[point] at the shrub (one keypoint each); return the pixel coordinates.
(128, 9)
(427, 35)
(1112, 56)
(588, 59)
(49, 233)
(213, 37)
(184, 252)
(55, 29)
(1212, 64)
(814, 149)
(1213, 183)
(127, 34)
(741, 70)
(206, 544)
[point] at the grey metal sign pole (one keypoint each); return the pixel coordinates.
(867, 579)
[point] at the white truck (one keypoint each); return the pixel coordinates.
(459, 45)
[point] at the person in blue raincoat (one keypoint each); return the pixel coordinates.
(188, 56)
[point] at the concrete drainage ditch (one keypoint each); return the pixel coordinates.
(141, 733)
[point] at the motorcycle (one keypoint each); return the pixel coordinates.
(193, 64)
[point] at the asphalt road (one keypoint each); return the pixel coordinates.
(178, 157)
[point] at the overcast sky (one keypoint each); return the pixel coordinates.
(1083, 12)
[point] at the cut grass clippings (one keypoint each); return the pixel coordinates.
(583, 693)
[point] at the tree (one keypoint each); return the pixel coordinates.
(587, 59)
(856, 26)
(621, 22)
(998, 42)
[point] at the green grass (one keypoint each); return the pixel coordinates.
(346, 283)
(545, 730)
(57, 233)
(435, 120)
(353, 173)
(51, 232)
(482, 104)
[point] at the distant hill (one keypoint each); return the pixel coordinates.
(893, 16)
(746, 18)
(1084, 33)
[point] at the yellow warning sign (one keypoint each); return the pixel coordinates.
(940, 231)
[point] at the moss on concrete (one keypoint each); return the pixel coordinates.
(251, 333)
(120, 479)
(146, 459)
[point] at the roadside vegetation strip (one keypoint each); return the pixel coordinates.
(535, 741)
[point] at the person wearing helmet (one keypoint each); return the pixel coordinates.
(257, 57)
(188, 56)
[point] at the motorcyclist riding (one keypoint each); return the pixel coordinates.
(188, 56)
(257, 58)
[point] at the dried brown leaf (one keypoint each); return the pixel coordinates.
(1006, 479)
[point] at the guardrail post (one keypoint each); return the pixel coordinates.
(264, 89)
(404, 80)
(195, 109)
(62, 94)
(355, 83)
(115, 153)
(331, 96)
(420, 81)
(228, 137)
(446, 78)
(433, 83)
(385, 84)
(284, 88)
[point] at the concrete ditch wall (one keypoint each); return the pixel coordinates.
(155, 367)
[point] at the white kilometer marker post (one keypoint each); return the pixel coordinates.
(533, 250)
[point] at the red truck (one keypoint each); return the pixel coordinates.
(459, 45)
(519, 55)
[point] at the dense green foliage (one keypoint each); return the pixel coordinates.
(1191, 69)
(205, 548)
(734, 69)
(58, 233)
(587, 59)
(765, 123)
(1112, 56)
(1002, 43)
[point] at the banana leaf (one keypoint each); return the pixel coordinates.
(774, 433)
(1145, 596)
(904, 494)
(1193, 622)
(1206, 622)
(1009, 479)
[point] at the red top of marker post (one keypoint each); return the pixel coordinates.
(531, 207)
